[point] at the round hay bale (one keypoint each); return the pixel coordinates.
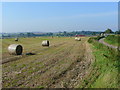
(45, 43)
(15, 49)
(16, 39)
(77, 39)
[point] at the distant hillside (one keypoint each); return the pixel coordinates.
(38, 34)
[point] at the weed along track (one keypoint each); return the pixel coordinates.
(63, 64)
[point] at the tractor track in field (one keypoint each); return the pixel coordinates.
(14, 58)
(65, 66)
(73, 74)
(56, 77)
(48, 63)
(51, 63)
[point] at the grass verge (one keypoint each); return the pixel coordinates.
(104, 71)
(113, 40)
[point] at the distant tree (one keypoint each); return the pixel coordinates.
(49, 34)
(109, 31)
(21, 35)
(30, 34)
(2, 35)
(93, 33)
(117, 32)
(64, 32)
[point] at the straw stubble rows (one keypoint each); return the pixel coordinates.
(64, 64)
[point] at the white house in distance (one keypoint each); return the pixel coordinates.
(105, 34)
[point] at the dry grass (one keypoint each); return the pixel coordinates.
(63, 64)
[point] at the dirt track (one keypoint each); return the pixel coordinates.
(63, 65)
(111, 46)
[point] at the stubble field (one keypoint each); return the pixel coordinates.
(65, 63)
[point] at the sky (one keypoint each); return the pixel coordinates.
(59, 16)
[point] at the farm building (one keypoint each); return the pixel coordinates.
(79, 35)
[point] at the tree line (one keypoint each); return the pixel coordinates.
(64, 33)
